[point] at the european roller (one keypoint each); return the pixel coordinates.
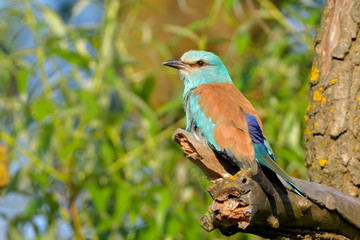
(218, 114)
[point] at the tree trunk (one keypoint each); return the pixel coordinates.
(332, 136)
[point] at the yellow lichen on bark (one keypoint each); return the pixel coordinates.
(308, 107)
(233, 177)
(314, 75)
(318, 97)
(308, 130)
(316, 124)
(323, 162)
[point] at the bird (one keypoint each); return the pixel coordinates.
(218, 114)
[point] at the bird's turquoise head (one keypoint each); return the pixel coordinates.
(199, 67)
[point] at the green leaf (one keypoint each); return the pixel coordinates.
(72, 57)
(107, 152)
(100, 197)
(55, 22)
(91, 105)
(181, 31)
(242, 42)
(146, 88)
(22, 78)
(41, 108)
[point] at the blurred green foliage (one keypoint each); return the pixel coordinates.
(87, 112)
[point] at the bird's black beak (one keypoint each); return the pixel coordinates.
(175, 63)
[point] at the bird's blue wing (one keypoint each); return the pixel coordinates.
(263, 152)
(257, 135)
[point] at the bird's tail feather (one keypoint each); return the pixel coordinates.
(261, 178)
(296, 189)
(272, 165)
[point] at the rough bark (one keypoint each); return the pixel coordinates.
(332, 136)
(240, 204)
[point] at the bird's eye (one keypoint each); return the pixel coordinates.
(200, 63)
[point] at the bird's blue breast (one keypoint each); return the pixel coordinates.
(196, 118)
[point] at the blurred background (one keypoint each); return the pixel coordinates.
(87, 111)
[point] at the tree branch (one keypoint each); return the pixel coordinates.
(240, 204)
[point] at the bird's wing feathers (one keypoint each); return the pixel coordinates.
(236, 124)
(231, 124)
(218, 102)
